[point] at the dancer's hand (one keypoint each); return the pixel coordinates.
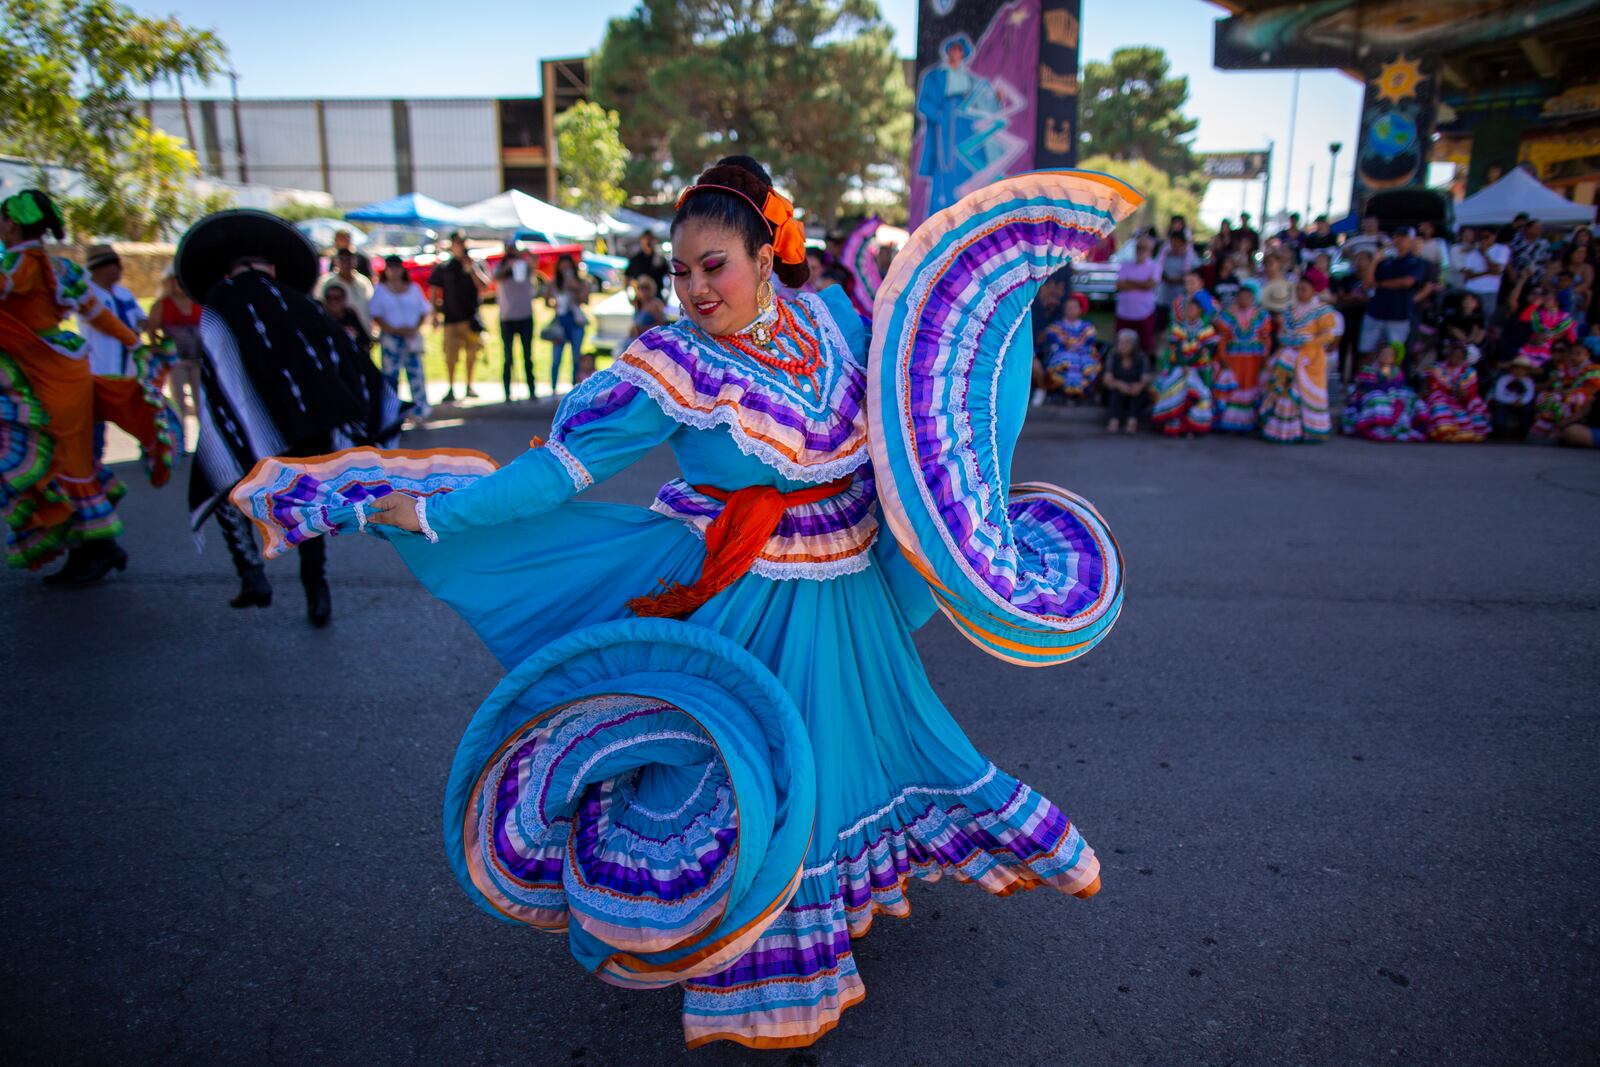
(396, 509)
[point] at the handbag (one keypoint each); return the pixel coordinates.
(553, 331)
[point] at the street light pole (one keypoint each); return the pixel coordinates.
(1333, 168)
(1288, 156)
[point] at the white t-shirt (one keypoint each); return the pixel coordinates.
(1475, 261)
(107, 357)
(405, 309)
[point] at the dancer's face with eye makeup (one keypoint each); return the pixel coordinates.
(716, 279)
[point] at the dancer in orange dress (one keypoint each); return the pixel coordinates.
(54, 495)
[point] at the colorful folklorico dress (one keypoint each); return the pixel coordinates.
(1452, 410)
(1242, 347)
(724, 802)
(1294, 397)
(1070, 355)
(54, 495)
(1185, 389)
(1546, 327)
(860, 256)
(1380, 406)
(1570, 388)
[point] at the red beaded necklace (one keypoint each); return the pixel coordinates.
(803, 366)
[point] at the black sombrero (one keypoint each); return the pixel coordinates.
(219, 240)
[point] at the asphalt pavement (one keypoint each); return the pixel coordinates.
(1339, 759)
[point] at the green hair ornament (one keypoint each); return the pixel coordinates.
(23, 209)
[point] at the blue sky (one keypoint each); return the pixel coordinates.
(493, 47)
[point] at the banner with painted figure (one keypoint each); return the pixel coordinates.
(977, 76)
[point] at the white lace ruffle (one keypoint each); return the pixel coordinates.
(729, 417)
(581, 478)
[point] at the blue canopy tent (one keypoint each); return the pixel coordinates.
(415, 210)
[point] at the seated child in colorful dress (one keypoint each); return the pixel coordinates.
(1453, 411)
(1072, 365)
(1566, 410)
(1380, 405)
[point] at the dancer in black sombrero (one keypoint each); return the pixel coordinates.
(278, 378)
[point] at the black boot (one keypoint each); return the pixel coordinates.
(89, 563)
(254, 589)
(319, 604)
(313, 577)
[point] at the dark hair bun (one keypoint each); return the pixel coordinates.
(744, 174)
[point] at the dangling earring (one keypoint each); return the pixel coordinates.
(761, 332)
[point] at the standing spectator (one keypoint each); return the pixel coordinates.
(1465, 244)
(1351, 294)
(1397, 282)
(458, 285)
(1434, 251)
(399, 309)
(1466, 325)
(1320, 239)
(176, 318)
(648, 262)
(342, 243)
(1102, 251)
(1126, 380)
(358, 290)
(1177, 260)
(1483, 269)
(515, 285)
(336, 302)
(1292, 236)
(109, 357)
(568, 293)
(1370, 239)
(1530, 251)
(1277, 288)
(1225, 279)
(1178, 226)
(1245, 238)
(1317, 274)
(650, 311)
(1575, 262)
(1136, 294)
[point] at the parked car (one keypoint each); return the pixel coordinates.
(606, 271)
(1098, 281)
(420, 265)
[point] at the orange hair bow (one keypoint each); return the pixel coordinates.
(788, 236)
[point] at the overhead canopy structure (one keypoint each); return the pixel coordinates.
(413, 209)
(512, 210)
(633, 223)
(1516, 193)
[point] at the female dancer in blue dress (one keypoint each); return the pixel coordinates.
(724, 801)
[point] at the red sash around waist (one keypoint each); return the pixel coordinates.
(734, 540)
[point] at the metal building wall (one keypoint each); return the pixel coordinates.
(280, 142)
(455, 148)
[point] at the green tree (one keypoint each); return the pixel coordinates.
(70, 72)
(591, 159)
(1163, 196)
(1131, 109)
(812, 88)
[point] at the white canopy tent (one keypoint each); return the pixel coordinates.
(511, 210)
(1518, 192)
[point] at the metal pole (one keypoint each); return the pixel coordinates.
(1333, 168)
(238, 129)
(1288, 156)
(1266, 182)
(1311, 176)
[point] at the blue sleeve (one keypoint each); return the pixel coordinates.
(602, 426)
(851, 324)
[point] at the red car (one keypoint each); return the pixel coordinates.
(421, 265)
